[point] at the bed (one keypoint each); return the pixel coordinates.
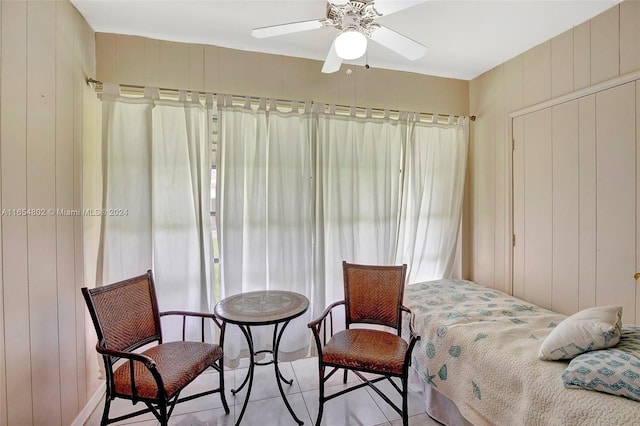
(478, 362)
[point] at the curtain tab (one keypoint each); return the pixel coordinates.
(273, 104)
(247, 102)
(182, 96)
(434, 117)
(367, 112)
(295, 107)
(209, 99)
(451, 119)
(386, 114)
(195, 98)
(352, 111)
(307, 107)
(332, 109)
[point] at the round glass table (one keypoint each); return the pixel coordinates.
(256, 308)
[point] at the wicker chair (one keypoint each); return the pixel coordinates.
(373, 295)
(125, 315)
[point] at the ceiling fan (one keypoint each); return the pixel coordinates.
(356, 21)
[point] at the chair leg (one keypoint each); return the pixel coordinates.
(223, 397)
(405, 405)
(105, 411)
(320, 395)
(162, 408)
(344, 377)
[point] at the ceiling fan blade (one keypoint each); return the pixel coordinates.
(387, 7)
(333, 61)
(390, 39)
(293, 27)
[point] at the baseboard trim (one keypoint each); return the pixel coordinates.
(90, 406)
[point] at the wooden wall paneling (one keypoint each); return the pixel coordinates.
(605, 45)
(629, 36)
(128, 68)
(41, 194)
(484, 187)
(175, 64)
(562, 64)
(637, 283)
(565, 208)
(14, 228)
(234, 71)
(86, 111)
(212, 69)
(3, 365)
(587, 196)
(616, 195)
(582, 55)
(196, 67)
(538, 241)
(65, 187)
(106, 61)
(270, 81)
(152, 63)
(519, 213)
(503, 147)
(537, 74)
(513, 83)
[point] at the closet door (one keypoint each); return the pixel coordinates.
(533, 207)
(616, 198)
(576, 203)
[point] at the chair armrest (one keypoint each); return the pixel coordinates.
(320, 324)
(202, 315)
(132, 357)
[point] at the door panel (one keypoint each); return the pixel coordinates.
(538, 218)
(587, 197)
(565, 227)
(616, 198)
(576, 204)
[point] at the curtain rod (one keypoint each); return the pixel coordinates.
(97, 86)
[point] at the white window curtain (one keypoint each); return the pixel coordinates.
(299, 193)
(156, 165)
(264, 213)
(434, 173)
(358, 182)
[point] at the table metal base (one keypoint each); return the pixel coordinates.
(248, 380)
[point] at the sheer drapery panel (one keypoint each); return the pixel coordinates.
(156, 170)
(294, 204)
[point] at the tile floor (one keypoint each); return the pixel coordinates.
(361, 407)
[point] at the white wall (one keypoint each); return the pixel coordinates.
(46, 52)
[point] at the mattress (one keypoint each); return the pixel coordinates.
(479, 349)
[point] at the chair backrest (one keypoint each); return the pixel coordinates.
(373, 294)
(125, 314)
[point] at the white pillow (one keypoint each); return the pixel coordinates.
(587, 330)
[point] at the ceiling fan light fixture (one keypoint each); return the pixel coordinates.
(350, 44)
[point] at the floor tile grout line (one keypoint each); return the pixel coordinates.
(304, 400)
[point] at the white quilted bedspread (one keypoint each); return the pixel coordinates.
(479, 348)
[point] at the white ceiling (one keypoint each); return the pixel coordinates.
(465, 38)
